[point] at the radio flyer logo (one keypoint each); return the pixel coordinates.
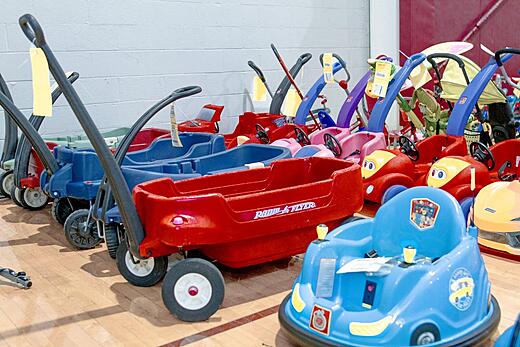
(320, 319)
(463, 100)
(461, 289)
(423, 213)
(276, 211)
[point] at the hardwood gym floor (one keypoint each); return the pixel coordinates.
(79, 298)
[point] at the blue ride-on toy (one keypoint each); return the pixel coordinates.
(412, 275)
(510, 337)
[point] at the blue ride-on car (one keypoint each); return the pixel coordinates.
(510, 337)
(412, 275)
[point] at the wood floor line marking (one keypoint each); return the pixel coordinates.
(223, 327)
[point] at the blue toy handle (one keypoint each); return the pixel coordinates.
(376, 123)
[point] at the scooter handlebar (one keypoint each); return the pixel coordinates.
(32, 29)
(259, 72)
(498, 54)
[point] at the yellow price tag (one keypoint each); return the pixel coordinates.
(259, 90)
(292, 102)
(382, 77)
(328, 76)
(174, 130)
(42, 99)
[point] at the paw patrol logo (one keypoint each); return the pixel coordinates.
(423, 213)
(320, 319)
(461, 289)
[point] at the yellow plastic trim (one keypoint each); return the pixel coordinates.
(370, 329)
(296, 299)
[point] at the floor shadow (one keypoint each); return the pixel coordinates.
(19, 214)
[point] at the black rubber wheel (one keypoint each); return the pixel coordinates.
(6, 182)
(112, 240)
(193, 290)
(140, 272)
(425, 334)
(15, 195)
(33, 199)
(61, 209)
(80, 231)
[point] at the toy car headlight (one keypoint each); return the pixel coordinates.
(296, 300)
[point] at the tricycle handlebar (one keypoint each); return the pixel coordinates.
(259, 72)
(32, 29)
(498, 54)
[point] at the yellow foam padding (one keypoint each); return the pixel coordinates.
(241, 139)
(451, 168)
(42, 98)
(496, 207)
(370, 329)
(499, 246)
(378, 158)
(296, 299)
(382, 77)
(328, 76)
(292, 102)
(259, 90)
(174, 130)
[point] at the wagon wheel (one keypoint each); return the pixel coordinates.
(61, 209)
(481, 152)
(16, 195)
(81, 230)
(193, 290)
(261, 134)
(140, 272)
(112, 240)
(408, 148)
(6, 182)
(332, 143)
(301, 136)
(33, 198)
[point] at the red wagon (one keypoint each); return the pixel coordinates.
(238, 219)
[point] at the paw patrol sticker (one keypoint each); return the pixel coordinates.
(320, 319)
(461, 289)
(423, 213)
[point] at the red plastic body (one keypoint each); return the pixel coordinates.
(145, 137)
(248, 217)
(401, 170)
(202, 125)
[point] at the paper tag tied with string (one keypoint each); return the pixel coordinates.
(382, 77)
(42, 98)
(259, 90)
(328, 76)
(291, 104)
(174, 130)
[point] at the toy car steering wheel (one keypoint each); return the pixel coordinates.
(261, 134)
(408, 148)
(481, 152)
(332, 143)
(301, 136)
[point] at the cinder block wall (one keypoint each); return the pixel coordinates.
(131, 53)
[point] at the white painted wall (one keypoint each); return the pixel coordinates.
(384, 39)
(130, 53)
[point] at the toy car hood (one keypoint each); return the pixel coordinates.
(375, 161)
(444, 170)
(496, 207)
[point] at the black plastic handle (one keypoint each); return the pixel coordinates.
(454, 57)
(504, 51)
(340, 60)
(186, 91)
(259, 72)
(275, 51)
(32, 29)
(304, 58)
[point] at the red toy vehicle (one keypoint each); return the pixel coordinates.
(206, 121)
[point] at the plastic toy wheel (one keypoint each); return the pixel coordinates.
(392, 191)
(425, 334)
(80, 231)
(6, 182)
(193, 290)
(16, 196)
(465, 205)
(112, 240)
(140, 272)
(32, 198)
(61, 209)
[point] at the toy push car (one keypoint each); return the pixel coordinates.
(238, 219)
(410, 276)
(510, 337)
